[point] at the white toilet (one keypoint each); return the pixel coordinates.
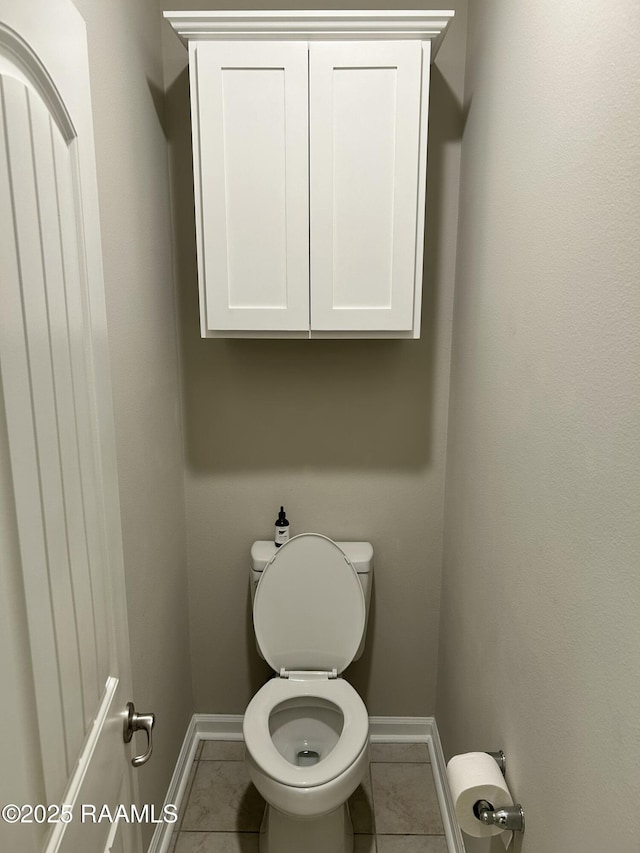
(306, 731)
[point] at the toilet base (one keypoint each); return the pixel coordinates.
(281, 833)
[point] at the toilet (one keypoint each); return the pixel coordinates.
(306, 730)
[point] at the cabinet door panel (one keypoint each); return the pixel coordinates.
(250, 140)
(364, 115)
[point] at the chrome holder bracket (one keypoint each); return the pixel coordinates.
(508, 817)
(501, 760)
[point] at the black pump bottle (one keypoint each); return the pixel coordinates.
(282, 528)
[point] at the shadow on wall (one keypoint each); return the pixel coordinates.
(261, 404)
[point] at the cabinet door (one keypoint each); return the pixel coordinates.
(250, 148)
(364, 116)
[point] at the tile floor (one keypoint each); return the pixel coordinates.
(395, 809)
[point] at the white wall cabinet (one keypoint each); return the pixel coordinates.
(309, 146)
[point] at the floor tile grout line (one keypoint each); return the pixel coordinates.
(221, 831)
(411, 835)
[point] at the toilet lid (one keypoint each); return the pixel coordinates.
(309, 610)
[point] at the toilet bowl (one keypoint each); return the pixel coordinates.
(307, 731)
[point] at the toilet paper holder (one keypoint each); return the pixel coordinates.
(507, 817)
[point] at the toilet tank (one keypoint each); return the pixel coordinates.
(359, 553)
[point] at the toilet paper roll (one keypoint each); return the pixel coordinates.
(476, 776)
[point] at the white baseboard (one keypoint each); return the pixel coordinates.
(452, 830)
(382, 730)
(219, 726)
(175, 793)
(399, 729)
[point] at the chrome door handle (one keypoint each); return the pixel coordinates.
(135, 722)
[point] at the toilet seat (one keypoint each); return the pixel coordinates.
(309, 610)
(351, 742)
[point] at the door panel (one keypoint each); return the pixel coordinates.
(364, 116)
(59, 425)
(40, 396)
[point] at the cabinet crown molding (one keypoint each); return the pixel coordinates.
(334, 24)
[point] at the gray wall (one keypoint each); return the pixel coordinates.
(540, 621)
(126, 84)
(348, 435)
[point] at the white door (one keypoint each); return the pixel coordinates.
(365, 145)
(64, 658)
(250, 151)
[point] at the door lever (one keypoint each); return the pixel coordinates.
(135, 722)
